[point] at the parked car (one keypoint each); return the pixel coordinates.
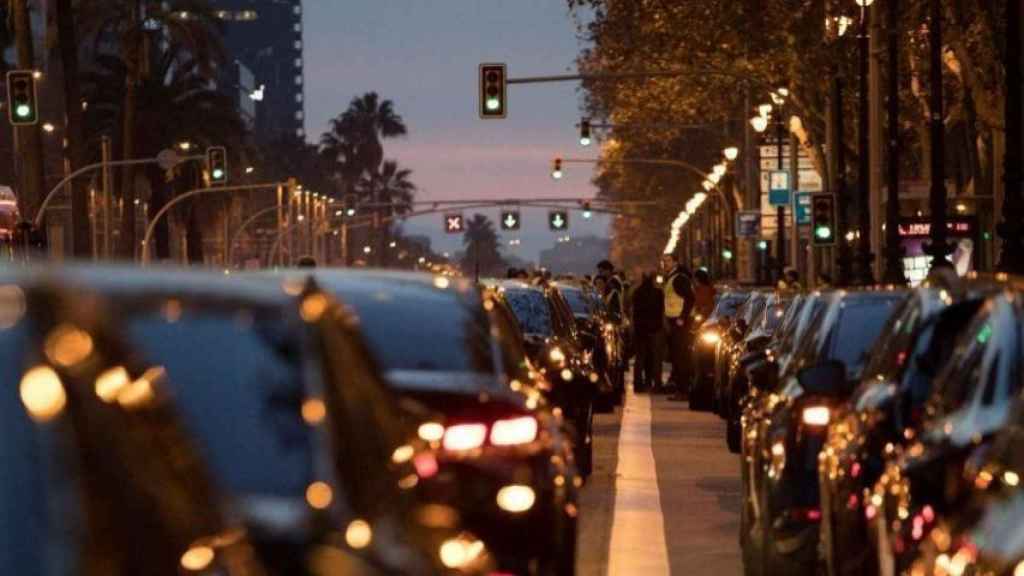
(969, 404)
(553, 346)
(881, 416)
(746, 318)
(100, 476)
(708, 336)
(785, 511)
(504, 463)
(599, 336)
(273, 380)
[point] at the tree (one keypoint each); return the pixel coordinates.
(481, 241)
(181, 105)
(140, 27)
(391, 186)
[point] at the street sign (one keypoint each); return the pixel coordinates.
(558, 220)
(510, 220)
(802, 207)
(454, 224)
(778, 188)
(748, 224)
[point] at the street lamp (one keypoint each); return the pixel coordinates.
(760, 123)
(731, 153)
(865, 272)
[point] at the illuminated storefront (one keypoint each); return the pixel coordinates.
(914, 235)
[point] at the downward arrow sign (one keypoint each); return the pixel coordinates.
(510, 221)
(557, 221)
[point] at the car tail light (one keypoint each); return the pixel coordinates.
(817, 415)
(464, 436)
(514, 431)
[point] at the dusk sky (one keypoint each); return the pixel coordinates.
(423, 55)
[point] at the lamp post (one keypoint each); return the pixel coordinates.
(893, 251)
(1011, 229)
(780, 212)
(865, 275)
(937, 247)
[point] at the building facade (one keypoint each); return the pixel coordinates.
(264, 42)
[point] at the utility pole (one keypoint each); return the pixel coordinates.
(28, 144)
(937, 248)
(865, 272)
(845, 259)
(68, 39)
(893, 250)
(1011, 229)
(780, 248)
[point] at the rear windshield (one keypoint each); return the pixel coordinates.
(858, 327)
(531, 310)
(239, 387)
(423, 331)
(728, 305)
(577, 301)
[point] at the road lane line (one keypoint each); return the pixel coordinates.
(638, 528)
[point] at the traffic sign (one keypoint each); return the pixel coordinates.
(454, 223)
(802, 207)
(558, 220)
(748, 224)
(510, 220)
(778, 188)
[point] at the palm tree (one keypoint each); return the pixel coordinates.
(390, 185)
(354, 140)
(133, 25)
(482, 256)
(180, 106)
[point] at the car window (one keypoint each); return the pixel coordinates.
(857, 328)
(239, 388)
(423, 330)
(955, 382)
(728, 305)
(513, 356)
(531, 310)
(576, 300)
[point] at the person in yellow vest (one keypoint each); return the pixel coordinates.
(679, 302)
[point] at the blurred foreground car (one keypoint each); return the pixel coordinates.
(504, 463)
(99, 475)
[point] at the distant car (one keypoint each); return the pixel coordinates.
(275, 384)
(709, 333)
(99, 475)
(747, 318)
(781, 500)
(505, 465)
(554, 347)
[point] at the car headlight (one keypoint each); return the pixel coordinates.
(816, 415)
(557, 356)
(710, 337)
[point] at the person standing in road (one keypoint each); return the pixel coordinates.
(679, 303)
(704, 294)
(648, 317)
(612, 290)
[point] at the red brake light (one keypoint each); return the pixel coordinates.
(464, 436)
(513, 431)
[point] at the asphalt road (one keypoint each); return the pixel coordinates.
(664, 497)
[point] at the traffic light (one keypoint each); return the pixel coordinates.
(510, 220)
(585, 132)
(823, 220)
(493, 91)
(454, 224)
(23, 108)
(587, 212)
(556, 168)
(217, 165)
(558, 220)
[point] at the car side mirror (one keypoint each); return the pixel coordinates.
(824, 379)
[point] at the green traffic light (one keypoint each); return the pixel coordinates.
(493, 104)
(23, 110)
(218, 174)
(727, 254)
(823, 232)
(762, 245)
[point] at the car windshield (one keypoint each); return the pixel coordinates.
(531, 310)
(857, 329)
(423, 330)
(728, 305)
(239, 387)
(577, 301)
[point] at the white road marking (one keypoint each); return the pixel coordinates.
(638, 528)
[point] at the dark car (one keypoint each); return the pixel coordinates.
(880, 416)
(505, 465)
(553, 346)
(272, 379)
(709, 333)
(100, 476)
(600, 336)
(747, 317)
(792, 426)
(970, 402)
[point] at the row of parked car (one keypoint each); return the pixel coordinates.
(301, 422)
(879, 430)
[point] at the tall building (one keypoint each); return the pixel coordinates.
(264, 42)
